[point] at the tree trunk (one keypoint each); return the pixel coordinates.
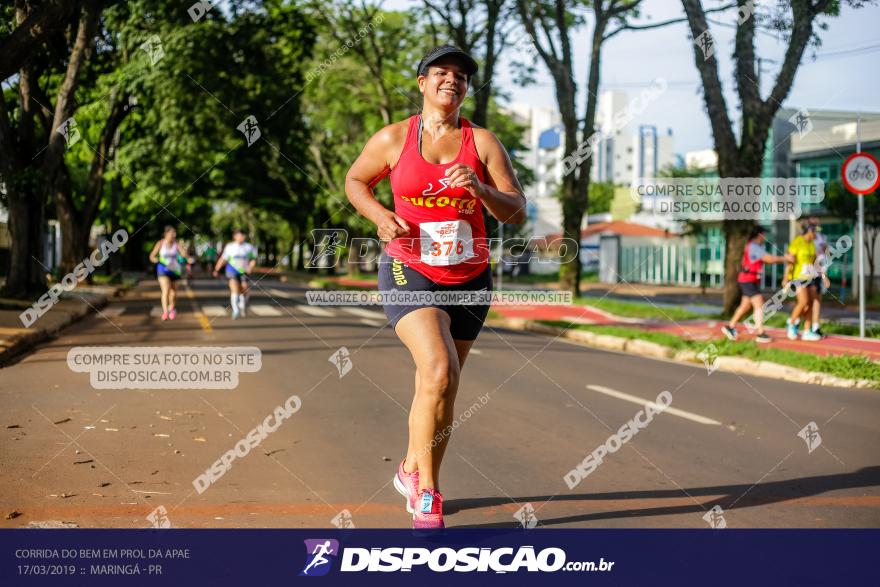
(26, 276)
(484, 90)
(74, 235)
(736, 233)
(745, 159)
(76, 225)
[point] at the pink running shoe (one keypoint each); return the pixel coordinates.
(172, 314)
(164, 315)
(429, 511)
(407, 485)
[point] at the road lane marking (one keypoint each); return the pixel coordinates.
(115, 311)
(644, 403)
(280, 293)
(313, 311)
(214, 311)
(265, 310)
(370, 314)
(197, 309)
(370, 322)
(156, 312)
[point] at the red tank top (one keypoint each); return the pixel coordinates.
(447, 240)
(751, 270)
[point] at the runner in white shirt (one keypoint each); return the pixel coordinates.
(240, 258)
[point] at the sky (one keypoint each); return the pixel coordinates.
(841, 77)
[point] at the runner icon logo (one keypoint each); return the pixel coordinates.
(810, 434)
(342, 359)
(715, 518)
(526, 516)
(709, 356)
(318, 556)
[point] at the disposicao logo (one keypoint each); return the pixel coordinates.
(318, 553)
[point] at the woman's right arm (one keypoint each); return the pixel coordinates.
(153, 257)
(371, 166)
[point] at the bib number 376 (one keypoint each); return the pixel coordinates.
(446, 243)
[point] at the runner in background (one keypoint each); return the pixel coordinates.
(749, 279)
(209, 257)
(800, 274)
(821, 282)
(240, 258)
(169, 262)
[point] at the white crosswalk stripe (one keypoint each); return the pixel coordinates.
(280, 293)
(265, 310)
(371, 314)
(116, 311)
(315, 311)
(373, 323)
(214, 311)
(156, 311)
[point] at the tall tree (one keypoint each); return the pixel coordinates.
(354, 39)
(40, 22)
(551, 24)
(743, 156)
(76, 219)
(482, 28)
(26, 168)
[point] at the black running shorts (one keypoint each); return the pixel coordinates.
(749, 288)
(466, 320)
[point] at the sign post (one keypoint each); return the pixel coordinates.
(861, 175)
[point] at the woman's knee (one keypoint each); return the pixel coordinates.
(439, 380)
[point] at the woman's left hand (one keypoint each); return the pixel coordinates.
(462, 176)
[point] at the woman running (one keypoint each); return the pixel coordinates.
(442, 171)
(749, 279)
(801, 275)
(169, 264)
(240, 258)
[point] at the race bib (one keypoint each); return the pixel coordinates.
(446, 243)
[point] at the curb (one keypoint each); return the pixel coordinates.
(649, 349)
(25, 339)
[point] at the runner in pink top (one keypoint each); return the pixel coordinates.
(443, 171)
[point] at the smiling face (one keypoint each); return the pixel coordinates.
(445, 84)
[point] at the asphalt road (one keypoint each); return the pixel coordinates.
(108, 458)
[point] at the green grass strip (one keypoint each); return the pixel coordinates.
(847, 366)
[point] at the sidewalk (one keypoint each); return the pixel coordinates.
(15, 338)
(699, 330)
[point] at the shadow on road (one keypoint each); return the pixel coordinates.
(735, 497)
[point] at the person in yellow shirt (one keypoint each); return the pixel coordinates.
(801, 275)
